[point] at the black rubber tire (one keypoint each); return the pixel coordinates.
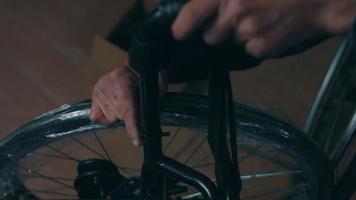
(190, 110)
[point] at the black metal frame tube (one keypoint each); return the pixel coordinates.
(148, 52)
(156, 166)
(152, 187)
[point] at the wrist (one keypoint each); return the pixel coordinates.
(336, 16)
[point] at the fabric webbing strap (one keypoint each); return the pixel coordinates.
(221, 106)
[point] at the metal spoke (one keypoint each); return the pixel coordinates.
(260, 187)
(203, 165)
(33, 164)
(184, 147)
(274, 151)
(191, 196)
(203, 159)
(257, 187)
(77, 148)
(128, 170)
(285, 190)
(266, 155)
(171, 140)
(123, 168)
(36, 176)
(54, 193)
(52, 156)
(45, 177)
(269, 174)
(52, 189)
(62, 153)
(86, 146)
(195, 151)
(102, 146)
(249, 153)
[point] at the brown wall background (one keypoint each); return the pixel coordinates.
(46, 47)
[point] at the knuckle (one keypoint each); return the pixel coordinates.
(240, 6)
(102, 82)
(105, 77)
(104, 87)
(127, 111)
(194, 13)
(118, 114)
(258, 48)
(95, 90)
(105, 122)
(123, 75)
(210, 40)
(108, 115)
(111, 120)
(258, 52)
(249, 26)
(225, 4)
(118, 72)
(94, 96)
(94, 117)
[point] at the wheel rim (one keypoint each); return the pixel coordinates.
(194, 124)
(49, 172)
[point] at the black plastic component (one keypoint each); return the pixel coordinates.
(120, 35)
(152, 46)
(226, 159)
(346, 186)
(189, 176)
(97, 179)
(127, 189)
(352, 36)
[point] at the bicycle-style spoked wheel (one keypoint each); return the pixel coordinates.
(62, 154)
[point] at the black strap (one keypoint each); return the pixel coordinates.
(226, 164)
(233, 131)
(351, 37)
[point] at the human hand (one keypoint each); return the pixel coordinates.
(266, 27)
(115, 97)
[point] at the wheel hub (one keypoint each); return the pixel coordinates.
(97, 179)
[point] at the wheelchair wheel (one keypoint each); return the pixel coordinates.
(61, 155)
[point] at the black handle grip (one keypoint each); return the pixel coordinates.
(153, 46)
